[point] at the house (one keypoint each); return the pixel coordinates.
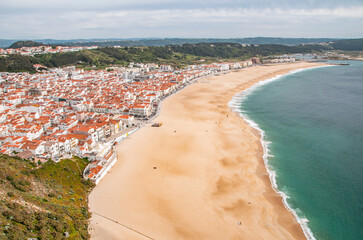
(27, 154)
(115, 126)
(141, 110)
(36, 147)
(255, 60)
(64, 145)
(126, 120)
(52, 148)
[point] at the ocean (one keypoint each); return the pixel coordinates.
(311, 125)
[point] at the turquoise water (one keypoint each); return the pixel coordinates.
(313, 120)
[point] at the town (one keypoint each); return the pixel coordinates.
(61, 112)
(31, 51)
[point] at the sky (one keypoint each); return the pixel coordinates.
(76, 19)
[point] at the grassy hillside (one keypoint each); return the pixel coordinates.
(180, 41)
(20, 44)
(4, 43)
(348, 45)
(234, 50)
(43, 202)
(176, 55)
(17, 63)
(107, 56)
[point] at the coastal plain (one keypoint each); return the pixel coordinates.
(200, 175)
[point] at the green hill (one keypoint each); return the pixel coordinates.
(17, 63)
(110, 42)
(20, 44)
(176, 55)
(234, 50)
(180, 41)
(43, 202)
(348, 45)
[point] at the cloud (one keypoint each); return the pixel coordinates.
(162, 17)
(178, 17)
(173, 4)
(193, 22)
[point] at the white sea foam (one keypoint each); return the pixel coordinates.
(235, 105)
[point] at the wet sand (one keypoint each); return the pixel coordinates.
(199, 176)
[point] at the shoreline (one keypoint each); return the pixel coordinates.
(216, 192)
(234, 104)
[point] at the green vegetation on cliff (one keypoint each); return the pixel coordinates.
(180, 41)
(176, 55)
(233, 50)
(17, 63)
(107, 56)
(348, 45)
(4, 43)
(44, 202)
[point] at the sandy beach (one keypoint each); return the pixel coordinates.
(199, 176)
